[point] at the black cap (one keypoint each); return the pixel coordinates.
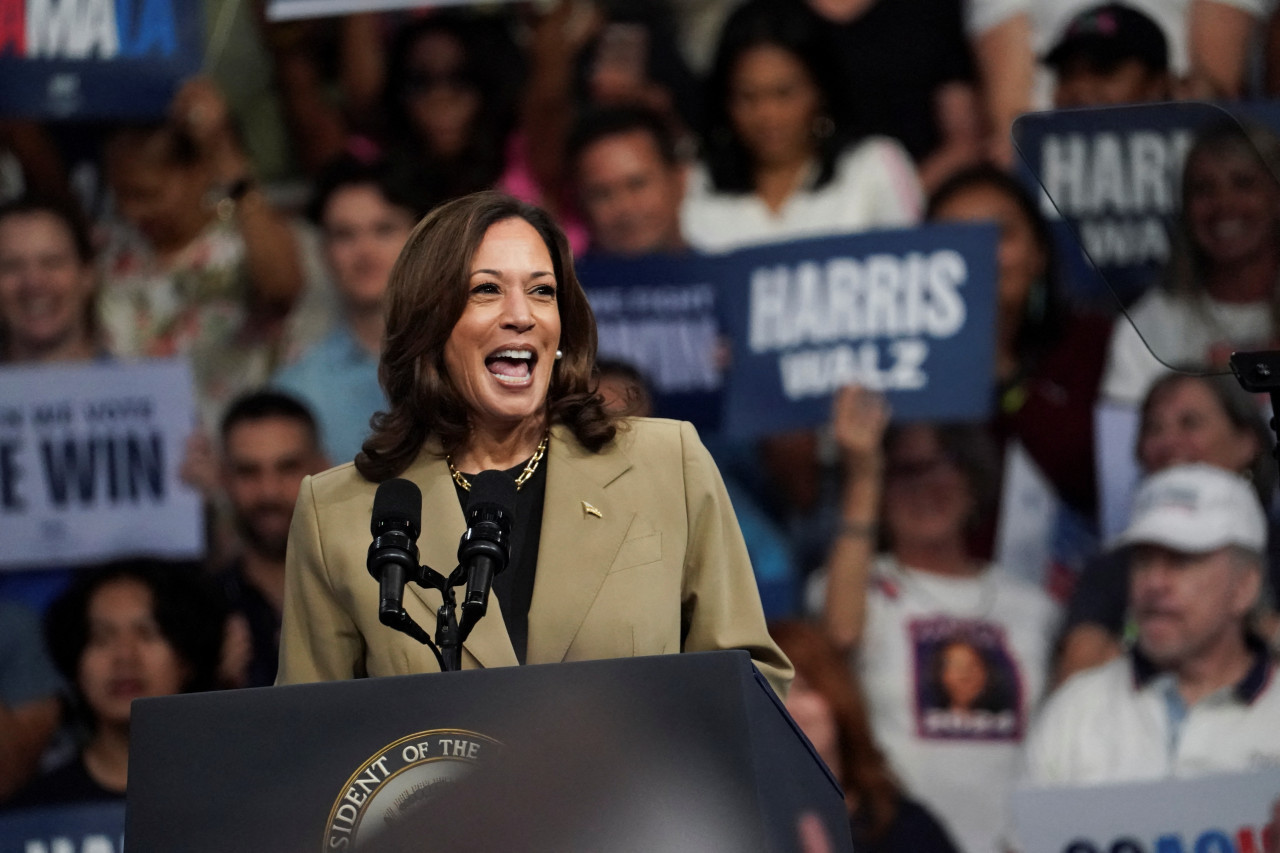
(1106, 35)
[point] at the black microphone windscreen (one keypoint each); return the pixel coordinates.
(397, 500)
(493, 489)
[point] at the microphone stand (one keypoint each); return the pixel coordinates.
(447, 646)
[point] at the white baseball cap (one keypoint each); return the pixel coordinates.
(1195, 509)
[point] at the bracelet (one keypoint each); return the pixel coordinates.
(859, 529)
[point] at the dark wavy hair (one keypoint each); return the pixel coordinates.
(188, 610)
(426, 296)
(869, 784)
(1041, 323)
(493, 65)
(793, 28)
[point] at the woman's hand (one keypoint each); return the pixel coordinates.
(859, 418)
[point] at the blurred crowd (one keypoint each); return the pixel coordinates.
(252, 230)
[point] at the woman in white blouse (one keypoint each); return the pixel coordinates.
(778, 163)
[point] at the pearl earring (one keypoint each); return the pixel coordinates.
(559, 355)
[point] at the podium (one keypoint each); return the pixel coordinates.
(689, 752)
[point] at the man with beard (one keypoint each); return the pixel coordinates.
(269, 443)
(1197, 693)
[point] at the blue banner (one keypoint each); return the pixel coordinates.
(658, 313)
(1111, 181)
(908, 312)
(89, 59)
(92, 828)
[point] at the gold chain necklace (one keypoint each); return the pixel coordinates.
(529, 468)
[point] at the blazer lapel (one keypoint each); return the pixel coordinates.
(581, 534)
(442, 526)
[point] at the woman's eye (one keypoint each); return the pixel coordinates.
(486, 287)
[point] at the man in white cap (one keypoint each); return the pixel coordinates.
(1196, 693)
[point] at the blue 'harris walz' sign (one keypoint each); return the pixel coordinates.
(83, 59)
(910, 313)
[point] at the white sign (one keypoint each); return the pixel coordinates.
(89, 459)
(292, 10)
(1221, 813)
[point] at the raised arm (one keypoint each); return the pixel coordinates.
(859, 419)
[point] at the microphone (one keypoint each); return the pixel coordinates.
(485, 549)
(393, 555)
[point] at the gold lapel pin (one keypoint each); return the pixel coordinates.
(588, 509)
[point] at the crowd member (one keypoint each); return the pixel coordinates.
(269, 443)
(450, 98)
(47, 284)
(47, 287)
(184, 276)
(133, 629)
(1184, 419)
(911, 74)
(1048, 362)
(780, 160)
(952, 652)
(1209, 41)
(365, 212)
(30, 707)
(1196, 694)
(1223, 274)
(826, 703)
(487, 366)
(1110, 54)
(620, 53)
(629, 181)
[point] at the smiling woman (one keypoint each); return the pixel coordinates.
(488, 365)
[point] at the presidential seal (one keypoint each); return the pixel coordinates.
(398, 780)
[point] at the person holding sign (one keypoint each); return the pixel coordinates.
(624, 541)
(780, 162)
(1197, 693)
(952, 652)
(47, 287)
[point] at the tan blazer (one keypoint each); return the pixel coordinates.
(661, 569)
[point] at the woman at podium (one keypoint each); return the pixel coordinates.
(623, 543)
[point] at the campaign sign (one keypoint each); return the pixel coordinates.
(91, 828)
(89, 459)
(1220, 813)
(289, 10)
(1110, 180)
(88, 59)
(658, 313)
(908, 312)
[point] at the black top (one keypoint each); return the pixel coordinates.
(513, 588)
(263, 619)
(69, 784)
(895, 56)
(913, 829)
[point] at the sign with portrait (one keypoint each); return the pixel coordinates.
(89, 459)
(92, 59)
(1220, 813)
(908, 312)
(90, 828)
(967, 686)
